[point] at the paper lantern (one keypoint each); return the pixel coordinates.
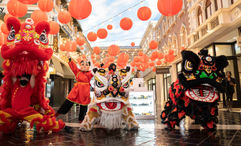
(132, 44)
(96, 50)
(62, 47)
(45, 5)
(54, 27)
(160, 56)
(122, 60)
(92, 36)
(102, 33)
(154, 55)
(169, 7)
(151, 64)
(1, 39)
(39, 16)
(80, 41)
(158, 62)
(73, 46)
(170, 52)
(137, 59)
(109, 27)
(28, 1)
(81, 48)
(4, 28)
(169, 58)
(16, 8)
(126, 23)
(97, 64)
(140, 53)
(113, 50)
(153, 45)
(144, 13)
(64, 17)
(154, 69)
(80, 9)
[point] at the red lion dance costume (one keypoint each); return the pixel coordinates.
(25, 67)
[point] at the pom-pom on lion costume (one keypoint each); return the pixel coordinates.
(26, 54)
(110, 107)
(195, 93)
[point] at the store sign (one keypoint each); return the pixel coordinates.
(162, 70)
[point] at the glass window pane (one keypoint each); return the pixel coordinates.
(224, 50)
(237, 49)
(210, 50)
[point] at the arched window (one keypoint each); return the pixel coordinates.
(199, 16)
(208, 9)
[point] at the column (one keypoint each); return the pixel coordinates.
(159, 100)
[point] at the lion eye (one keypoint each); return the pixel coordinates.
(11, 35)
(188, 66)
(43, 37)
(99, 84)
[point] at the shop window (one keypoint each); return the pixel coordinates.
(151, 84)
(208, 9)
(167, 84)
(237, 49)
(224, 50)
(199, 16)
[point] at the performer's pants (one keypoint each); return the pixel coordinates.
(10, 117)
(66, 106)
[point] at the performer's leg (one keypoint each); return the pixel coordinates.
(65, 107)
(82, 112)
(7, 122)
(90, 119)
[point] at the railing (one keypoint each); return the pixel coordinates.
(204, 30)
(214, 23)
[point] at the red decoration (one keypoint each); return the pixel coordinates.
(154, 69)
(169, 7)
(126, 23)
(113, 50)
(1, 39)
(144, 13)
(81, 48)
(96, 50)
(109, 27)
(28, 1)
(153, 45)
(133, 44)
(73, 46)
(102, 33)
(169, 58)
(160, 56)
(170, 51)
(4, 28)
(140, 53)
(39, 16)
(6, 17)
(54, 27)
(62, 47)
(64, 17)
(46, 5)
(92, 36)
(152, 64)
(80, 9)
(154, 55)
(16, 8)
(80, 41)
(158, 62)
(122, 60)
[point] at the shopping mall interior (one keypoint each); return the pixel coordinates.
(120, 72)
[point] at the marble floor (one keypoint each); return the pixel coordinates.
(151, 133)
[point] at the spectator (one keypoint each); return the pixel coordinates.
(230, 84)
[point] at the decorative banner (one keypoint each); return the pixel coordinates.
(80, 9)
(144, 13)
(126, 23)
(64, 17)
(55, 44)
(169, 7)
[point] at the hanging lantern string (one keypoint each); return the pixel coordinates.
(115, 15)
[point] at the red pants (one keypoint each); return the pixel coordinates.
(10, 117)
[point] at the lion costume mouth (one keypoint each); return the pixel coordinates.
(111, 106)
(203, 93)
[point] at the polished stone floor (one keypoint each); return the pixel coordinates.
(151, 133)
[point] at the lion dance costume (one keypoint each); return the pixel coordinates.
(195, 93)
(25, 66)
(110, 107)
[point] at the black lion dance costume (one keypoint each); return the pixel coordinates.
(195, 93)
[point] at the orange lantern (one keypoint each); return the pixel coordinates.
(158, 62)
(4, 28)
(68, 45)
(126, 23)
(97, 64)
(1, 39)
(153, 45)
(54, 27)
(109, 27)
(16, 8)
(137, 59)
(64, 17)
(154, 69)
(170, 51)
(6, 17)
(132, 44)
(144, 13)
(81, 48)
(92, 36)
(169, 58)
(96, 50)
(160, 56)
(62, 47)
(140, 53)
(80, 9)
(122, 59)
(46, 5)
(154, 55)
(102, 33)
(113, 50)
(80, 41)
(73, 46)
(151, 64)
(169, 7)
(39, 16)
(28, 1)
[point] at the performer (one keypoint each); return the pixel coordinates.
(80, 94)
(25, 66)
(195, 93)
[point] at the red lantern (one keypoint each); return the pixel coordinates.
(62, 47)
(158, 62)
(16, 8)
(6, 17)
(170, 52)
(122, 60)
(102, 33)
(80, 9)
(126, 23)
(109, 27)
(132, 44)
(154, 55)
(140, 53)
(169, 7)
(137, 59)
(169, 58)
(153, 45)
(4, 28)
(54, 27)
(28, 1)
(113, 50)
(1, 39)
(80, 41)
(144, 13)
(39, 16)
(45, 5)
(97, 64)
(92, 36)
(160, 56)
(64, 17)
(151, 64)
(96, 50)
(73, 46)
